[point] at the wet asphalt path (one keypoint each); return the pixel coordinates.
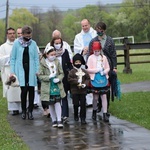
(115, 135)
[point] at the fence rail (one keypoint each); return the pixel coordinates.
(126, 47)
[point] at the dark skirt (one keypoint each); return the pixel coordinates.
(54, 99)
(102, 90)
(45, 104)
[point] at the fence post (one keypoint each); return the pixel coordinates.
(127, 68)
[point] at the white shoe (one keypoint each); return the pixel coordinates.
(60, 125)
(54, 124)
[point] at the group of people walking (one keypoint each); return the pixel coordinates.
(60, 72)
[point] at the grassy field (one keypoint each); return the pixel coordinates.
(133, 107)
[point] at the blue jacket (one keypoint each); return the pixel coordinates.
(16, 65)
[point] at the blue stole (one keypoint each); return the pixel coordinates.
(86, 39)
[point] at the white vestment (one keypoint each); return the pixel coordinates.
(11, 93)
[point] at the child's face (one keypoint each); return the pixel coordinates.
(96, 52)
(51, 56)
(53, 53)
(77, 62)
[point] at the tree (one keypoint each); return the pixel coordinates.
(37, 29)
(138, 15)
(21, 17)
(70, 27)
(50, 22)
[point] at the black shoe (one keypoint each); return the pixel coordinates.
(76, 118)
(48, 115)
(94, 115)
(35, 106)
(30, 116)
(65, 119)
(108, 114)
(105, 117)
(23, 115)
(15, 112)
(98, 110)
(83, 121)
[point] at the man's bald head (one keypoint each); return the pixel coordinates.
(85, 24)
(56, 34)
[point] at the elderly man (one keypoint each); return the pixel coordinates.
(12, 93)
(82, 39)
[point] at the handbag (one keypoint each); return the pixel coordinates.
(99, 80)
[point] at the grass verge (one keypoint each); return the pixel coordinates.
(9, 140)
(133, 107)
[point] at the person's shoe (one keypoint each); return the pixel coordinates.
(98, 110)
(65, 119)
(54, 124)
(105, 117)
(94, 115)
(35, 106)
(15, 112)
(76, 118)
(48, 115)
(60, 124)
(30, 116)
(83, 121)
(108, 114)
(23, 115)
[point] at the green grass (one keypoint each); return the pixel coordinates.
(9, 140)
(140, 72)
(133, 107)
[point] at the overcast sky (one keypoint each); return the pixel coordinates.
(47, 4)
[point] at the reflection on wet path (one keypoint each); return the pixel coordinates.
(116, 135)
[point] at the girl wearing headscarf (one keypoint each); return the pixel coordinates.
(98, 63)
(52, 91)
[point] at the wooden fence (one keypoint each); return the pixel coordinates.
(126, 47)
